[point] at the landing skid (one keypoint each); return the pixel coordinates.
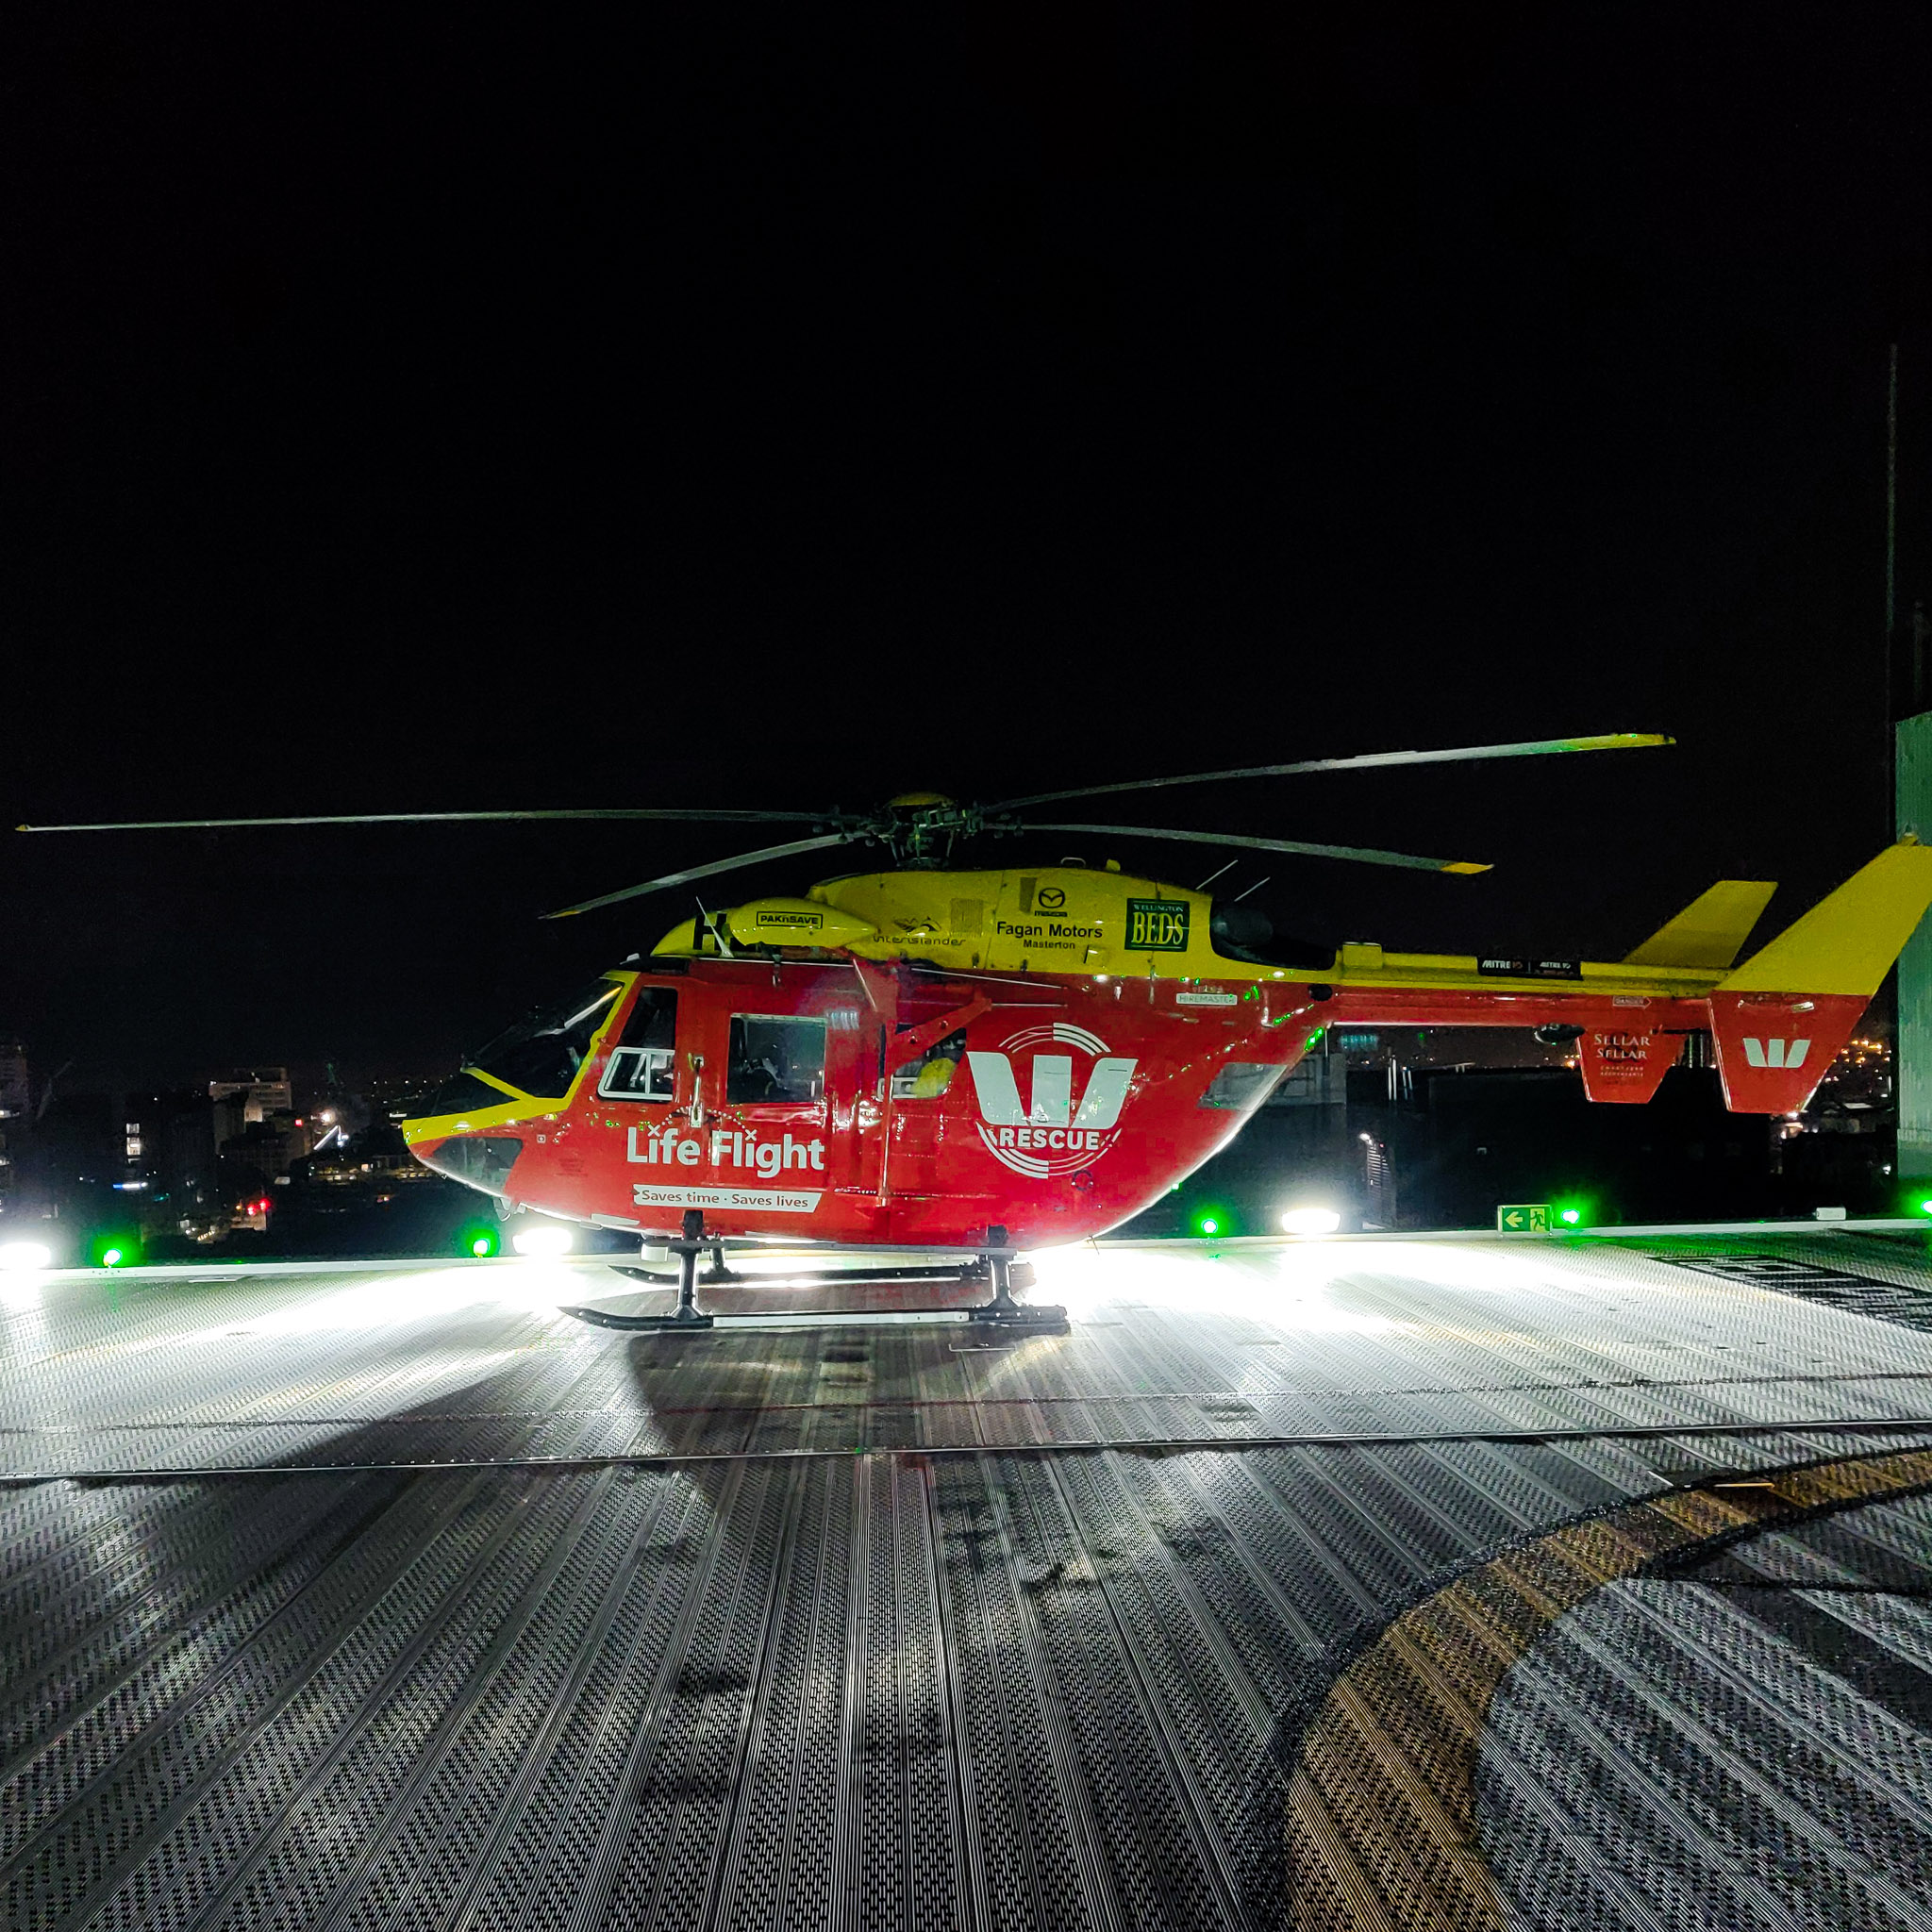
(995, 1264)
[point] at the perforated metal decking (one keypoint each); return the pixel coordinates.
(392, 1599)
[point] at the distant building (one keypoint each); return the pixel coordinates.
(1412, 1047)
(169, 1152)
(264, 1151)
(252, 1099)
(402, 1097)
(16, 1122)
(262, 1091)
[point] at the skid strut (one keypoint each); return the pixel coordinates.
(1005, 1274)
(995, 1265)
(688, 1247)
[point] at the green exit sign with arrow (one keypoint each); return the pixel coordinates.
(1526, 1217)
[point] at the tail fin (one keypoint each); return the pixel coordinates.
(1711, 929)
(1780, 1019)
(1847, 942)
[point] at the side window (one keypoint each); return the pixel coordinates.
(1240, 1084)
(776, 1058)
(643, 1063)
(928, 1077)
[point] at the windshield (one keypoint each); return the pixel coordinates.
(541, 1056)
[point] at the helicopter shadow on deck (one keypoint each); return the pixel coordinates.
(710, 1394)
(848, 1389)
(751, 1400)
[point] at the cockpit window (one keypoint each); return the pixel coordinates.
(540, 1057)
(642, 1065)
(653, 1020)
(464, 1093)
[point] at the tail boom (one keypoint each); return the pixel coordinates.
(1778, 1022)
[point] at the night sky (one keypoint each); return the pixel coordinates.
(726, 408)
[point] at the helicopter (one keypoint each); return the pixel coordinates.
(986, 1061)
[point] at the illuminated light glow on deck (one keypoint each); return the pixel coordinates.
(1311, 1221)
(391, 1301)
(1303, 1291)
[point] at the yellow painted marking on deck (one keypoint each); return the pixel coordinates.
(1381, 1824)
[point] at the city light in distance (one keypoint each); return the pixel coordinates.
(1309, 1221)
(545, 1242)
(23, 1258)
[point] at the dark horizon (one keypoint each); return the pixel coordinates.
(404, 423)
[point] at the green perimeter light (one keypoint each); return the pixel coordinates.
(477, 1240)
(1209, 1222)
(113, 1251)
(1571, 1213)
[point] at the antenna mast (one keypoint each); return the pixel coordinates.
(1891, 512)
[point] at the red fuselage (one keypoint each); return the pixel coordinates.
(898, 1106)
(905, 1106)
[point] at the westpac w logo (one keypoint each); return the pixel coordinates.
(1776, 1053)
(1046, 1134)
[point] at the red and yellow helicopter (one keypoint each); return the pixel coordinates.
(989, 1060)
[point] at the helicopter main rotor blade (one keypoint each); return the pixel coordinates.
(435, 817)
(706, 872)
(1531, 748)
(1369, 854)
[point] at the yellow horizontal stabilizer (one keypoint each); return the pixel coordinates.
(1847, 942)
(1709, 930)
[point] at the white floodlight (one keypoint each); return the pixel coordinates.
(1311, 1221)
(23, 1258)
(541, 1243)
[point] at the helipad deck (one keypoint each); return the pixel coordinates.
(1568, 1584)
